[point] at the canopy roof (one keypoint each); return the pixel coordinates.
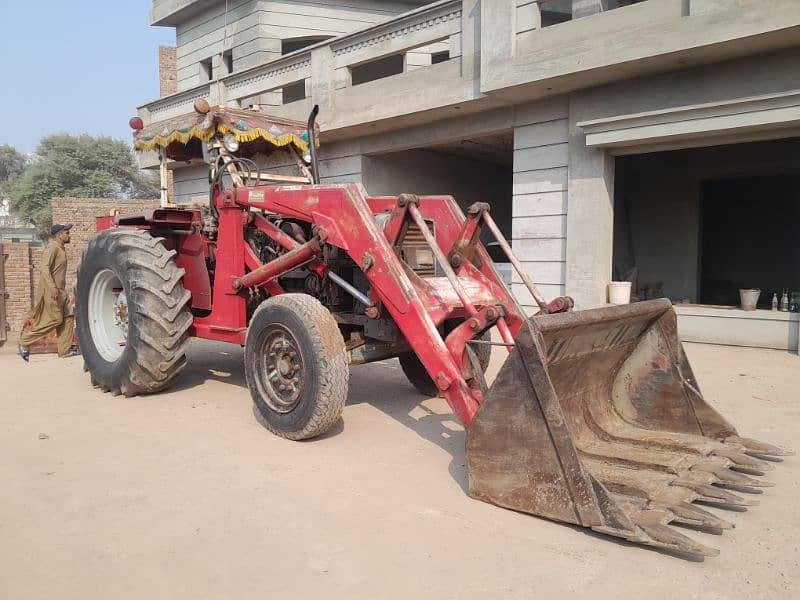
(245, 125)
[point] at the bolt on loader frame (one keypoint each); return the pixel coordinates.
(595, 418)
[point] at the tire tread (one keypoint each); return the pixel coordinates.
(155, 286)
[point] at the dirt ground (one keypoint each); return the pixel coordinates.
(185, 495)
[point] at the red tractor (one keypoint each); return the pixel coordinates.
(595, 418)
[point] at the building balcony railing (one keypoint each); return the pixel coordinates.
(557, 46)
(404, 49)
(467, 54)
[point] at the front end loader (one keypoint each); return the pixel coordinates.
(595, 418)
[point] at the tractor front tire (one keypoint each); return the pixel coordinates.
(417, 376)
(132, 312)
(296, 366)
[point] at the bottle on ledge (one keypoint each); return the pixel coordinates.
(785, 301)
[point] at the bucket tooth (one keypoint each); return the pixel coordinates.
(596, 419)
(652, 522)
(658, 490)
(743, 462)
(666, 537)
(739, 481)
(694, 516)
(611, 429)
(756, 448)
(624, 454)
(713, 495)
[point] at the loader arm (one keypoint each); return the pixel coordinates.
(345, 217)
(594, 419)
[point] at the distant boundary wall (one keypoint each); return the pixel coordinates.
(22, 261)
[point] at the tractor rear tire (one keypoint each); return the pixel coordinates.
(296, 366)
(132, 312)
(418, 377)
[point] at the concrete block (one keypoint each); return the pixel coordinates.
(544, 203)
(547, 249)
(341, 167)
(529, 16)
(541, 134)
(541, 157)
(540, 111)
(543, 272)
(734, 327)
(543, 180)
(547, 291)
(539, 227)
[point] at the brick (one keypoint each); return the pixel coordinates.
(167, 70)
(23, 262)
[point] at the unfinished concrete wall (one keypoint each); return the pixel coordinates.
(430, 172)
(203, 38)
(590, 219)
(212, 44)
(426, 171)
(339, 163)
(590, 216)
(656, 224)
(658, 197)
(540, 196)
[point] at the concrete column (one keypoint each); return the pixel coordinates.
(590, 215)
(586, 8)
(497, 35)
(470, 39)
(539, 214)
(323, 81)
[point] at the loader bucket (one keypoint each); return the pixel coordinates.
(596, 419)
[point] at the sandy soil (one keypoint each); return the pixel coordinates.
(186, 495)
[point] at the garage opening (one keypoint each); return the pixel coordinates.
(749, 238)
(472, 170)
(697, 225)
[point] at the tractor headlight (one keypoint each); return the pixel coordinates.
(230, 142)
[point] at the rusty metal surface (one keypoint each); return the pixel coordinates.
(596, 419)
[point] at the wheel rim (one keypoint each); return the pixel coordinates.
(108, 315)
(281, 369)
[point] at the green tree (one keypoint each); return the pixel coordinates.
(78, 166)
(12, 165)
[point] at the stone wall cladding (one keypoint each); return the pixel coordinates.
(23, 262)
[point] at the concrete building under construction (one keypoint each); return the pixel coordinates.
(656, 141)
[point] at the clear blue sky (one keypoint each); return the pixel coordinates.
(75, 66)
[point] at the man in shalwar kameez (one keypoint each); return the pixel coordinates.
(51, 306)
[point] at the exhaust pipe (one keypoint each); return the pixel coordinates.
(312, 143)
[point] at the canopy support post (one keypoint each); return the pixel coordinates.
(162, 159)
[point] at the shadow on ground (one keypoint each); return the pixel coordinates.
(382, 385)
(212, 361)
